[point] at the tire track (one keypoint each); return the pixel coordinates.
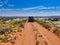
(38, 36)
(48, 36)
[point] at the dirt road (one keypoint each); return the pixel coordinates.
(49, 36)
(29, 35)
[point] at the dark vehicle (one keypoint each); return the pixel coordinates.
(30, 19)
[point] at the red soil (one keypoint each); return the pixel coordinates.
(30, 37)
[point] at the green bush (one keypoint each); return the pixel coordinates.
(15, 22)
(16, 31)
(19, 30)
(5, 38)
(44, 23)
(21, 23)
(2, 31)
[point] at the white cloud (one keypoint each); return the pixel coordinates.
(10, 5)
(25, 11)
(32, 8)
(3, 2)
(41, 7)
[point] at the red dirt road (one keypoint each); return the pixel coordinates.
(49, 36)
(29, 36)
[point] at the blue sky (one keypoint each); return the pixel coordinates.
(29, 7)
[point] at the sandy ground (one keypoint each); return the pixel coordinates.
(35, 34)
(51, 38)
(29, 38)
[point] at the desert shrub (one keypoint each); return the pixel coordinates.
(5, 38)
(54, 19)
(2, 31)
(3, 20)
(16, 31)
(44, 23)
(15, 22)
(21, 23)
(56, 31)
(19, 30)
